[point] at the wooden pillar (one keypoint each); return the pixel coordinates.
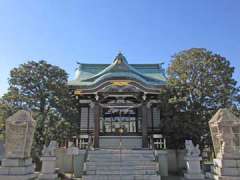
(97, 115)
(149, 117)
(144, 126)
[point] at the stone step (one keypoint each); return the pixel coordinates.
(109, 153)
(122, 177)
(123, 155)
(121, 172)
(123, 163)
(114, 159)
(117, 154)
(137, 167)
(109, 164)
(122, 151)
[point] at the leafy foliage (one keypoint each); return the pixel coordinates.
(41, 88)
(39, 85)
(200, 82)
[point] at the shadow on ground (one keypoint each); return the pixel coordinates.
(170, 177)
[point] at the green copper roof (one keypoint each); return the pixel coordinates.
(91, 74)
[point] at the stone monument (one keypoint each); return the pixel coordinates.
(49, 162)
(17, 164)
(225, 132)
(192, 159)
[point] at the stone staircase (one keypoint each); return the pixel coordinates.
(110, 164)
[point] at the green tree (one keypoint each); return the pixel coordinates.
(42, 88)
(236, 105)
(39, 85)
(5, 112)
(8, 106)
(200, 83)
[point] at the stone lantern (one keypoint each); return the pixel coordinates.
(225, 132)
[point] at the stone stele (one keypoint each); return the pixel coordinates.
(225, 132)
(20, 129)
(17, 164)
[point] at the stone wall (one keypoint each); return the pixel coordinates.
(66, 162)
(2, 149)
(176, 161)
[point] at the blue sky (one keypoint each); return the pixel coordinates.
(94, 31)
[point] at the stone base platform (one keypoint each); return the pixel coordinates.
(193, 168)
(48, 168)
(16, 162)
(226, 169)
(47, 176)
(17, 169)
(194, 177)
(19, 177)
(225, 178)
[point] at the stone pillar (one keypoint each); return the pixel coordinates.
(78, 163)
(48, 168)
(49, 162)
(73, 152)
(19, 136)
(97, 113)
(144, 126)
(162, 157)
(225, 129)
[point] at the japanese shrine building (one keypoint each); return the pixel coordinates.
(119, 96)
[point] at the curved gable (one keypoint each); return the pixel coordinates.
(151, 79)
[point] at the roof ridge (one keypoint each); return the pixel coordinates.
(119, 64)
(110, 64)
